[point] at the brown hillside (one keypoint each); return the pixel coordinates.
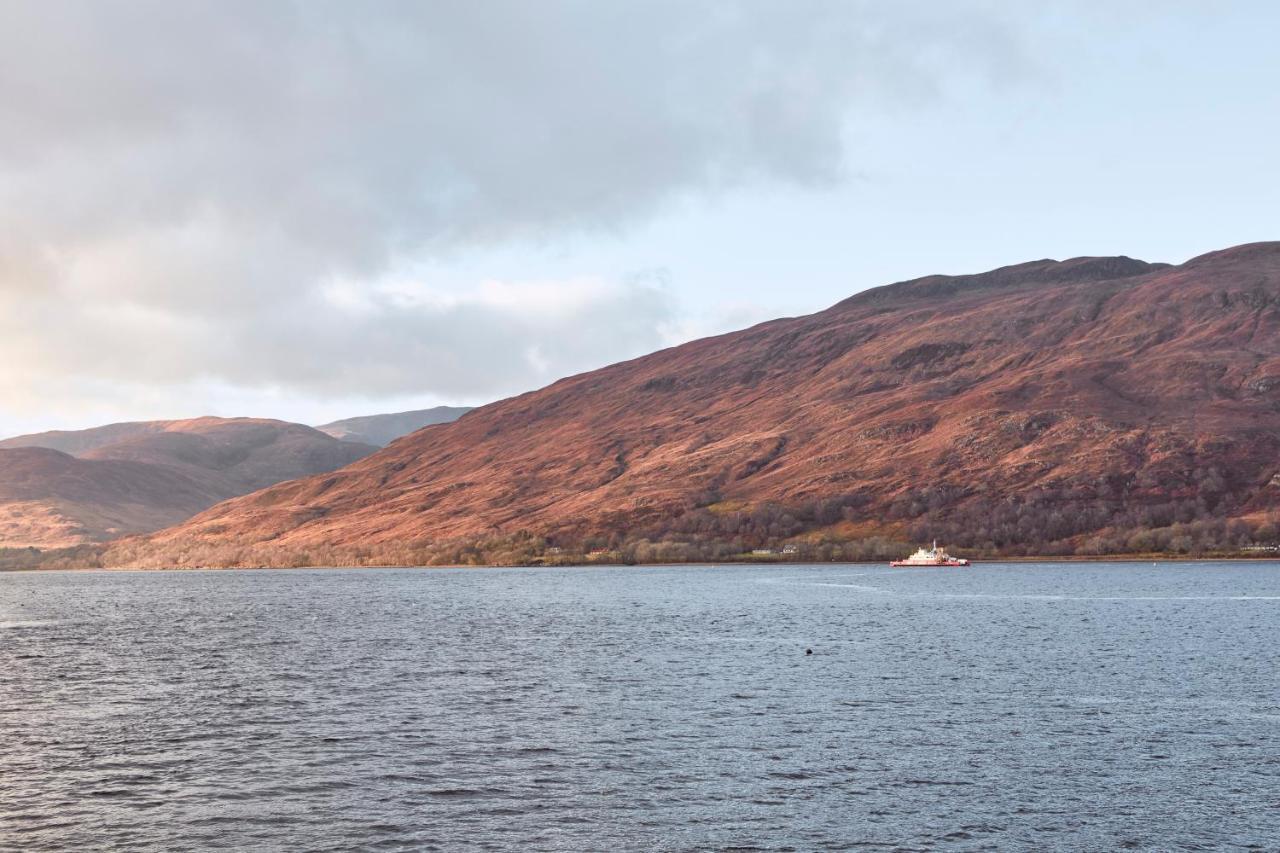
(1033, 404)
(49, 499)
(138, 477)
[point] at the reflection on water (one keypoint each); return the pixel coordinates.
(1102, 706)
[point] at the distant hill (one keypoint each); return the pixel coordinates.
(83, 440)
(381, 430)
(65, 488)
(49, 499)
(1083, 406)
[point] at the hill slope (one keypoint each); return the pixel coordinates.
(381, 430)
(66, 488)
(1054, 406)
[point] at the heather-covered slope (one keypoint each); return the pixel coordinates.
(1048, 406)
(49, 499)
(137, 477)
(381, 430)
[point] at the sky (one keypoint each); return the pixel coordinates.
(313, 210)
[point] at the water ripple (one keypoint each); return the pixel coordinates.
(1090, 707)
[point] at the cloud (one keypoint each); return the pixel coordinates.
(221, 191)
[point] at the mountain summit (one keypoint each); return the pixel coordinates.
(1054, 407)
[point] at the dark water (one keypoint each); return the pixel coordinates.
(1013, 707)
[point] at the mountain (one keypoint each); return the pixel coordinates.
(1088, 405)
(381, 430)
(59, 489)
(49, 499)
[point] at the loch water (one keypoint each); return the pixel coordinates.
(1037, 706)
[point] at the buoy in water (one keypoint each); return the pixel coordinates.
(808, 651)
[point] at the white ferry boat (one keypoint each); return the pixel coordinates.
(931, 557)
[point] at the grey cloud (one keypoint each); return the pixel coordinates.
(187, 177)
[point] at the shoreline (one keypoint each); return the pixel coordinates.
(1144, 559)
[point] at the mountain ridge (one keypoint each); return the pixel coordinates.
(1076, 405)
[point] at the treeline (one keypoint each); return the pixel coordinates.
(1025, 527)
(1213, 537)
(761, 524)
(79, 557)
(518, 549)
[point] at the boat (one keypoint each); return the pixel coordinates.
(934, 556)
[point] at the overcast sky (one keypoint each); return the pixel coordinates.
(312, 210)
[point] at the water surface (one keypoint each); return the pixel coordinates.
(1045, 706)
